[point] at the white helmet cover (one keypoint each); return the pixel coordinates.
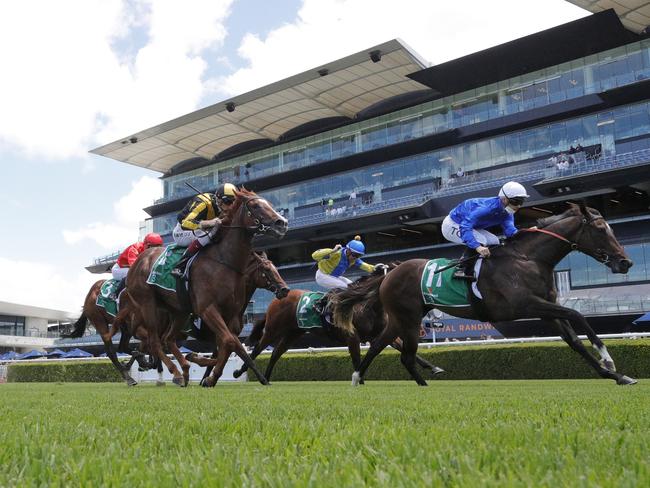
(512, 189)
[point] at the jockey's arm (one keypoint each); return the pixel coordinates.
(322, 253)
(210, 224)
(192, 221)
(368, 268)
(508, 226)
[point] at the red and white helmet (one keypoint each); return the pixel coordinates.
(153, 239)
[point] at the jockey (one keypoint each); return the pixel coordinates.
(467, 222)
(200, 213)
(332, 263)
(128, 257)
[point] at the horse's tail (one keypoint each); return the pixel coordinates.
(79, 327)
(256, 333)
(364, 291)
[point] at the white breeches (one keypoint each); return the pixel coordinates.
(328, 282)
(119, 273)
(451, 232)
(184, 237)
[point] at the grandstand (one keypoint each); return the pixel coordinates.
(395, 144)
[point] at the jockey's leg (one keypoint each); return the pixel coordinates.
(187, 238)
(328, 282)
(119, 274)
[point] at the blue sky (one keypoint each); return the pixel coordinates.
(84, 73)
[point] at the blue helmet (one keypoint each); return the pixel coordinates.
(356, 246)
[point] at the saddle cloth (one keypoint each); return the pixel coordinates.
(442, 288)
(160, 274)
(306, 316)
(104, 299)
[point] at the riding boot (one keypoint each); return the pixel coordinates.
(191, 250)
(117, 289)
(465, 271)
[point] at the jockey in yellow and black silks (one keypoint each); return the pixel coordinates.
(199, 222)
(333, 263)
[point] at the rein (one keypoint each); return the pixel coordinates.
(260, 226)
(602, 256)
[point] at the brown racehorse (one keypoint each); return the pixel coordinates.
(217, 288)
(279, 327)
(102, 321)
(260, 273)
(516, 282)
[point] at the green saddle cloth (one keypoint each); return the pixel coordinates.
(103, 298)
(306, 316)
(161, 270)
(442, 288)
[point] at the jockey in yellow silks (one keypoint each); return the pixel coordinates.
(333, 263)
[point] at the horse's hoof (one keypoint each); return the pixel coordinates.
(131, 382)
(206, 383)
(178, 381)
(356, 378)
(237, 373)
(437, 370)
(160, 383)
(626, 380)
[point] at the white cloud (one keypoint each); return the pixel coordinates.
(326, 30)
(44, 285)
(128, 213)
(64, 86)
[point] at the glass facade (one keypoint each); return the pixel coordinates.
(618, 67)
(435, 172)
(12, 325)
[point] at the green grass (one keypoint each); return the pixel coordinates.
(466, 433)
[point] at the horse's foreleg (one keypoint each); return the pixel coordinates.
(280, 348)
(397, 345)
(185, 365)
(566, 320)
(410, 339)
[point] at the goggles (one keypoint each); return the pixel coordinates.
(227, 200)
(517, 201)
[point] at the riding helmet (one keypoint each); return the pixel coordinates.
(153, 239)
(356, 246)
(512, 189)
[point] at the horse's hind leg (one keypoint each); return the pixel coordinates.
(397, 345)
(409, 349)
(281, 347)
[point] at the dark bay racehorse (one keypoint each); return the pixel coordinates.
(516, 282)
(279, 327)
(217, 290)
(102, 321)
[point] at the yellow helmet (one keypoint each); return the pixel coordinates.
(225, 192)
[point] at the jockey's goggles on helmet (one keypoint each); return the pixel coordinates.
(517, 201)
(355, 254)
(227, 200)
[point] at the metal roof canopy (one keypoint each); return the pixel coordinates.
(634, 14)
(341, 88)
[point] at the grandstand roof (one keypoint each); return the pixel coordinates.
(340, 89)
(634, 14)
(9, 308)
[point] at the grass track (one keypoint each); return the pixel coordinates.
(468, 433)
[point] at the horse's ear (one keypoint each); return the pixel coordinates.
(583, 209)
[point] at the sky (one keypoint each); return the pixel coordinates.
(75, 75)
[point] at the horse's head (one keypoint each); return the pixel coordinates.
(261, 272)
(596, 238)
(256, 214)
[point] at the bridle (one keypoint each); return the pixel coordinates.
(600, 254)
(271, 285)
(260, 227)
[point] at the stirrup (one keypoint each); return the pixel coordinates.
(459, 274)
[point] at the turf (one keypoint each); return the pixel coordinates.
(467, 433)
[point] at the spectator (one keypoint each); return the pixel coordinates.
(553, 160)
(572, 150)
(330, 205)
(579, 148)
(460, 173)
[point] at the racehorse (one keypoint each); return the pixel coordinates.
(516, 282)
(217, 287)
(279, 327)
(102, 321)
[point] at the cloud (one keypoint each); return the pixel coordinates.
(84, 72)
(44, 285)
(128, 213)
(325, 30)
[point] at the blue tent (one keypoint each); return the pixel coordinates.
(185, 350)
(643, 318)
(31, 354)
(77, 353)
(8, 356)
(55, 353)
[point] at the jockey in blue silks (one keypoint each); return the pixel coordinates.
(467, 222)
